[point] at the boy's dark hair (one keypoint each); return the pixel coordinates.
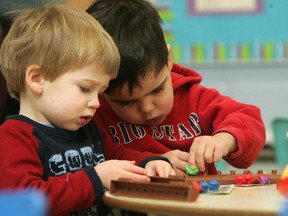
(135, 26)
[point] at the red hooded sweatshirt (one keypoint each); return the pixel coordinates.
(197, 111)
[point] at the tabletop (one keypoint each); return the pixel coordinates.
(263, 200)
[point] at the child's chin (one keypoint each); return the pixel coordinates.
(73, 128)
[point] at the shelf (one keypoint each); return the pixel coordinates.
(229, 65)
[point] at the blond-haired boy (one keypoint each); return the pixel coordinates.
(56, 60)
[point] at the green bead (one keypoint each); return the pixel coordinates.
(190, 171)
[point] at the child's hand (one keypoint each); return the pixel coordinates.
(209, 149)
(115, 169)
(159, 168)
(179, 160)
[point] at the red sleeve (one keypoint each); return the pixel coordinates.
(220, 113)
(20, 167)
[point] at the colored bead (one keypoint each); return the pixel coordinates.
(213, 185)
(205, 187)
(197, 186)
(264, 179)
(191, 171)
(244, 179)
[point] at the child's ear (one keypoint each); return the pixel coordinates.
(34, 79)
(169, 59)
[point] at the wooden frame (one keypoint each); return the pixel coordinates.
(205, 7)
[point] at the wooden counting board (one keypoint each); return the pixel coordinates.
(161, 189)
(175, 187)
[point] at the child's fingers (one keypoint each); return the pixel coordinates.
(217, 156)
(165, 171)
(198, 155)
(134, 169)
(137, 177)
(192, 158)
(183, 156)
(209, 152)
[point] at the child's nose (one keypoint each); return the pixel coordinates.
(146, 106)
(94, 102)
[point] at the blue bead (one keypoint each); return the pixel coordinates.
(205, 187)
(213, 185)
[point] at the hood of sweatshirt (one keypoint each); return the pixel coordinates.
(182, 75)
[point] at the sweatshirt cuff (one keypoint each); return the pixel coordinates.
(97, 184)
(146, 160)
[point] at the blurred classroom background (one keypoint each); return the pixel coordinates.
(239, 46)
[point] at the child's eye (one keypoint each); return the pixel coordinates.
(157, 90)
(85, 89)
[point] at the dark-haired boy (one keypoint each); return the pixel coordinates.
(156, 106)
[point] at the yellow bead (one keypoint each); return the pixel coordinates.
(285, 172)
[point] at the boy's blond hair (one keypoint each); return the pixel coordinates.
(57, 37)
